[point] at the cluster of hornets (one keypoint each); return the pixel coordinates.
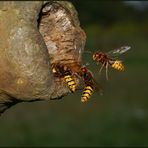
(105, 60)
(61, 30)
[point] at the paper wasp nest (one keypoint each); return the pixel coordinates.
(60, 28)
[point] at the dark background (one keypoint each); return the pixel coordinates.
(120, 116)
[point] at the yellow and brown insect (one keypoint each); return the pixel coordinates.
(109, 58)
(90, 84)
(63, 71)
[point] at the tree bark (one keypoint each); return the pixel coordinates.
(26, 54)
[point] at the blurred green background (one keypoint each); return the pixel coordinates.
(120, 116)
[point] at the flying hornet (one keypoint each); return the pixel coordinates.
(110, 59)
(90, 84)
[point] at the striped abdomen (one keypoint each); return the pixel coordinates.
(88, 90)
(70, 82)
(118, 65)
